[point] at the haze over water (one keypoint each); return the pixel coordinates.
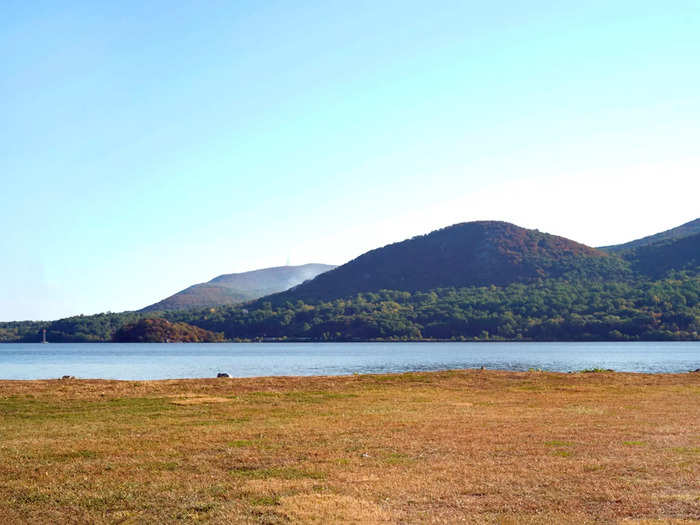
(174, 361)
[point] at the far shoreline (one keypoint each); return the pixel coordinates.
(314, 341)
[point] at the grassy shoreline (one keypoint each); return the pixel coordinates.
(465, 445)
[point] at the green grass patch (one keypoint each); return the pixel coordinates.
(563, 453)
(249, 443)
(163, 466)
(408, 377)
(102, 503)
(263, 500)
(260, 397)
(396, 458)
(691, 451)
(556, 443)
(212, 420)
(30, 497)
(532, 388)
(316, 396)
(241, 443)
(202, 507)
(17, 408)
(286, 473)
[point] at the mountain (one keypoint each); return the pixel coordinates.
(659, 258)
(483, 281)
(656, 255)
(237, 288)
(467, 254)
(477, 281)
(679, 232)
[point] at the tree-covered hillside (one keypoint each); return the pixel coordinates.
(79, 328)
(475, 282)
(547, 310)
(469, 254)
(656, 260)
(679, 232)
(164, 331)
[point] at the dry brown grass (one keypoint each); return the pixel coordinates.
(461, 446)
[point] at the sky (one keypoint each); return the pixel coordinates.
(148, 146)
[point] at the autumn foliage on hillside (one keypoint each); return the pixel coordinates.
(478, 281)
(163, 331)
(478, 253)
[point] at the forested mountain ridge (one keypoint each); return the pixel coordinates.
(658, 259)
(656, 255)
(467, 254)
(237, 288)
(474, 281)
(679, 232)
(547, 310)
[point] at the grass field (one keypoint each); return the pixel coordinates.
(460, 446)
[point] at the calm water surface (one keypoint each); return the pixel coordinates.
(172, 361)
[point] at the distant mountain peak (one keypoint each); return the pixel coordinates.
(234, 288)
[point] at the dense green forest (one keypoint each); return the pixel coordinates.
(546, 310)
(553, 309)
(80, 328)
(658, 259)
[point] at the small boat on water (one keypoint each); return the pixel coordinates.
(43, 336)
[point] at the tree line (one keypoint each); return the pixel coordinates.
(546, 310)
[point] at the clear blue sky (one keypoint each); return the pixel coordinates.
(146, 146)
